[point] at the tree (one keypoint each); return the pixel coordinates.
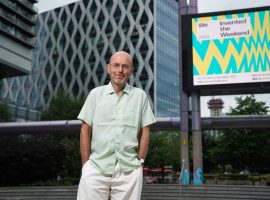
(31, 158)
(245, 148)
(248, 106)
(164, 150)
(25, 159)
(5, 114)
(209, 161)
(63, 107)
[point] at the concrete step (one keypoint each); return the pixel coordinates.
(150, 192)
(171, 192)
(39, 193)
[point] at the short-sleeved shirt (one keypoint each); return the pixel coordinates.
(116, 122)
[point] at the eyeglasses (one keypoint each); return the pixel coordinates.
(117, 65)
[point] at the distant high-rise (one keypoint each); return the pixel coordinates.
(215, 106)
(17, 20)
(74, 44)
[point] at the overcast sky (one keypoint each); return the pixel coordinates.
(218, 5)
(203, 6)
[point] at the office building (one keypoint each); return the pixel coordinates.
(74, 43)
(17, 35)
(17, 20)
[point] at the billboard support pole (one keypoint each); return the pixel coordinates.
(184, 108)
(196, 121)
(197, 139)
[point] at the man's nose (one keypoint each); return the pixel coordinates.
(120, 68)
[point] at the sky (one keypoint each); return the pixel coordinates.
(45, 5)
(203, 6)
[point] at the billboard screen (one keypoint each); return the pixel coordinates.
(230, 50)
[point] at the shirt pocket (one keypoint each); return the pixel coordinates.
(130, 119)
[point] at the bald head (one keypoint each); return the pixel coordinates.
(122, 54)
(120, 69)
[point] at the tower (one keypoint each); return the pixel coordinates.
(215, 106)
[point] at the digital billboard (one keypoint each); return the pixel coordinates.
(228, 51)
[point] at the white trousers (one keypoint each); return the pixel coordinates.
(118, 186)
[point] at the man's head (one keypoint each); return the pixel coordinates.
(120, 68)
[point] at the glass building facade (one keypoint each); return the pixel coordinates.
(167, 62)
(75, 42)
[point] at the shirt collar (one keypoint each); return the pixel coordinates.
(110, 90)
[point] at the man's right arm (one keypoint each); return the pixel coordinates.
(85, 142)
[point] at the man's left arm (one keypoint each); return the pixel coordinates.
(143, 142)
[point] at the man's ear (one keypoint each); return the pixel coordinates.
(108, 69)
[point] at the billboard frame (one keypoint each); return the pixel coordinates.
(187, 61)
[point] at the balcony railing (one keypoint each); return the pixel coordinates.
(12, 32)
(28, 5)
(17, 22)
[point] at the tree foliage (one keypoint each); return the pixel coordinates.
(244, 148)
(5, 113)
(164, 150)
(248, 106)
(63, 107)
(32, 158)
(25, 159)
(209, 161)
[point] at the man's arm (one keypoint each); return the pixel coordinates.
(144, 142)
(85, 142)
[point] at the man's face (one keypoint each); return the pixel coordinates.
(120, 68)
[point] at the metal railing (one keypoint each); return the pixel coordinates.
(171, 123)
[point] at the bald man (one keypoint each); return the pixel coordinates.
(114, 136)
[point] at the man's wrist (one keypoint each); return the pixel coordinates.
(141, 160)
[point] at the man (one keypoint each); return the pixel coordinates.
(114, 136)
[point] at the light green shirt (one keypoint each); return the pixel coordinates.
(116, 122)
